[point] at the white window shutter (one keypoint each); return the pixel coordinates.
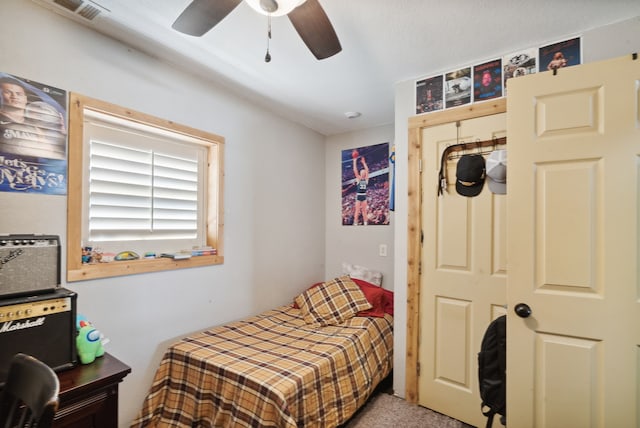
(137, 194)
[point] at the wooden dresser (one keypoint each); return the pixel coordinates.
(89, 394)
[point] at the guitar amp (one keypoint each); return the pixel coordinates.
(43, 326)
(29, 264)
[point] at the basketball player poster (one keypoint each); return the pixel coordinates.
(365, 186)
(33, 137)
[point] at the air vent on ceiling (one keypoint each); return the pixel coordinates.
(89, 12)
(86, 9)
(72, 5)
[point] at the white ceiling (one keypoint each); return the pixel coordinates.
(383, 42)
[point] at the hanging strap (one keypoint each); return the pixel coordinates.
(490, 419)
(442, 175)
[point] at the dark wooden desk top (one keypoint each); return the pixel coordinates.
(104, 371)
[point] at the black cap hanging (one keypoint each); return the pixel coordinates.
(470, 174)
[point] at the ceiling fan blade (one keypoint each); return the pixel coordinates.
(315, 29)
(202, 15)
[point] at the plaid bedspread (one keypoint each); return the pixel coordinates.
(270, 370)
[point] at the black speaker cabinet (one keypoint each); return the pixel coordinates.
(42, 325)
(29, 264)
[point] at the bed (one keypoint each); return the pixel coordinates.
(310, 364)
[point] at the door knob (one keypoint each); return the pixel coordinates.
(522, 310)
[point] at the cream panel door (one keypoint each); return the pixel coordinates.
(463, 274)
(574, 183)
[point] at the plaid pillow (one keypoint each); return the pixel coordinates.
(332, 302)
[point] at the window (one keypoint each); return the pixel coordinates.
(145, 189)
(143, 184)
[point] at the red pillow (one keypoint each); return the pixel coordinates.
(388, 302)
(375, 296)
(387, 298)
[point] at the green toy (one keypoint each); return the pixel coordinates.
(88, 342)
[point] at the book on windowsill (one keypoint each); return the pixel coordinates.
(176, 256)
(203, 251)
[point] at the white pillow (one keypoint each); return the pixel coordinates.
(363, 273)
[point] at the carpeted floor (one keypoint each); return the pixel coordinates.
(386, 410)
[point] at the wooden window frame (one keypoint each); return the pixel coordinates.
(76, 270)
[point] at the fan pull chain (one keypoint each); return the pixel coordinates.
(267, 57)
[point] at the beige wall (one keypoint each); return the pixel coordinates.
(277, 239)
(354, 244)
(274, 233)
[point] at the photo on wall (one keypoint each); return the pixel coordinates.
(559, 55)
(518, 64)
(487, 80)
(365, 185)
(33, 137)
(429, 94)
(457, 87)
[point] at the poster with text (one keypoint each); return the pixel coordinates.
(518, 64)
(559, 55)
(365, 185)
(429, 94)
(487, 80)
(33, 137)
(457, 87)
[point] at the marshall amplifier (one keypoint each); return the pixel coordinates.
(29, 264)
(43, 326)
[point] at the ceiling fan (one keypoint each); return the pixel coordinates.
(307, 16)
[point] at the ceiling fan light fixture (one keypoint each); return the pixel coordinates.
(274, 7)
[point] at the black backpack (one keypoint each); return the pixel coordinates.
(492, 370)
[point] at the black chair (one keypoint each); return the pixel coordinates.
(29, 397)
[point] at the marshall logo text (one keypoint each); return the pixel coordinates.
(12, 326)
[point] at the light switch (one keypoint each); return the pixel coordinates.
(382, 250)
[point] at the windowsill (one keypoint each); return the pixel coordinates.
(131, 267)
